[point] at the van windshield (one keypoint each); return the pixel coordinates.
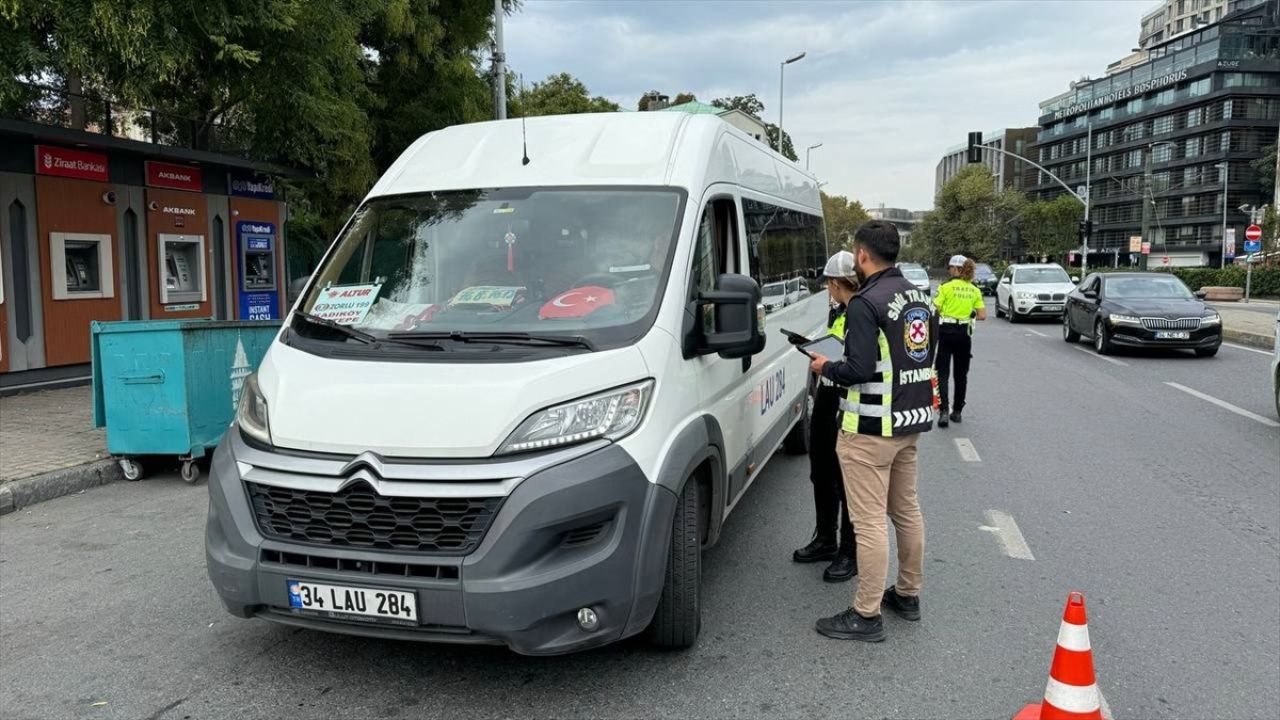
(776, 289)
(584, 263)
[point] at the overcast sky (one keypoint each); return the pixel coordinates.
(887, 86)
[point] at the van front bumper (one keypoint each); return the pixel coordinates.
(591, 532)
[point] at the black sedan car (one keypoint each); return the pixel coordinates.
(985, 278)
(1140, 310)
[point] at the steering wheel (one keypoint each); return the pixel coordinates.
(605, 280)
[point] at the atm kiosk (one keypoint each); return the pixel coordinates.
(181, 269)
(259, 288)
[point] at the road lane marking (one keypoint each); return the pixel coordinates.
(1033, 332)
(1003, 527)
(968, 452)
(1225, 405)
(1091, 353)
(1252, 350)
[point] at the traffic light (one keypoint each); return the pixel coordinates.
(975, 147)
(1086, 231)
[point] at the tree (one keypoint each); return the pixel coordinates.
(969, 217)
(843, 217)
(563, 94)
(684, 97)
(680, 99)
(1051, 228)
(1266, 169)
(751, 105)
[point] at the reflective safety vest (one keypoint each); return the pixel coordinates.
(899, 399)
(835, 329)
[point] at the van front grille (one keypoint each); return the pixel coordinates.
(359, 517)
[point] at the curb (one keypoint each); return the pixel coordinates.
(1251, 339)
(29, 491)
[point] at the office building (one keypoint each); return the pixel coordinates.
(1008, 172)
(1175, 17)
(1193, 115)
(903, 219)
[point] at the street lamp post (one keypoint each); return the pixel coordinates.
(1225, 167)
(782, 67)
(1148, 198)
(808, 150)
(499, 65)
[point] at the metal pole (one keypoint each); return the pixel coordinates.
(1088, 197)
(1226, 184)
(499, 65)
(1145, 197)
(782, 72)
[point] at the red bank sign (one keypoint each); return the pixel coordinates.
(52, 160)
(178, 177)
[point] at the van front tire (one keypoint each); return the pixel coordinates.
(678, 618)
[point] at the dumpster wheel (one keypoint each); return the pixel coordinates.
(190, 471)
(131, 468)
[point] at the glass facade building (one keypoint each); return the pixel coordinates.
(1201, 102)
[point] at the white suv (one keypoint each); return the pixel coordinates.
(1027, 291)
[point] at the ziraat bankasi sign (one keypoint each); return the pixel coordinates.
(1136, 89)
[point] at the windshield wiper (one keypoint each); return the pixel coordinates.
(497, 338)
(361, 335)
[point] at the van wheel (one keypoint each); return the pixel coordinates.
(678, 618)
(797, 441)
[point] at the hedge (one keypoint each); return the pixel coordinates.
(1266, 280)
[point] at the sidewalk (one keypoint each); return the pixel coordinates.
(1252, 323)
(49, 447)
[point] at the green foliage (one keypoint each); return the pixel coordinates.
(1051, 228)
(1266, 169)
(969, 217)
(563, 94)
(843, 217)
(1266, 278)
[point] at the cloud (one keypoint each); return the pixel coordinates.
(887, 87)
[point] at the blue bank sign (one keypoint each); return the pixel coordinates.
(244, 185)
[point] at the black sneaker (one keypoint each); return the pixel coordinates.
(849, 625)
(817, 550)
(906, 607)
(955, 417)
(842, 569)
(942, 418)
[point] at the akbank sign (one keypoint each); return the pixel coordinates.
(1122, 94)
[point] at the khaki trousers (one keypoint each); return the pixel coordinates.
(879, 480)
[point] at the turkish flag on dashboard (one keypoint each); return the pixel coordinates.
(577, 302)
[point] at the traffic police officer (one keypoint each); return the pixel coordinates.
(824, 466)
(890, 338)
(959, 303)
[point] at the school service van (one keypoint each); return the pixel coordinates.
(525, 388)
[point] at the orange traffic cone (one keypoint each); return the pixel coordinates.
(1072, 692)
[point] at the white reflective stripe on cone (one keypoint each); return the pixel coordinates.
(1073, 637)
(1072, 698)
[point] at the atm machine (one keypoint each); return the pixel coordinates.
(181, 269)
(259, 289)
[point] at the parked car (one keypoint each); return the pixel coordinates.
(776, 296)
(1142, 310)
(917, 275)
(985, 278)
(796, 290)
(1031, 291)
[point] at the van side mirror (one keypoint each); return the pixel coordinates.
(1201, 294)
(733, 329)
(1075, 279)
(1004, 280)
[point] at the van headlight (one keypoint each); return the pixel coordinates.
(610, 415)
(251, 415)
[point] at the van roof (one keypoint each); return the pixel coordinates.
(642, 149)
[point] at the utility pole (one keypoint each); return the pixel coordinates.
(1088, 197)
(1226, 185)
(782, 71)
(499, 65)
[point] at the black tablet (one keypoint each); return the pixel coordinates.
(830, 346)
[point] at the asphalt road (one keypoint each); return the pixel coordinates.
(1161, 506)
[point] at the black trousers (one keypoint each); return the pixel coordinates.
(955, 345)
(824, 471)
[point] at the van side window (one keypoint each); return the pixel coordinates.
(784, 244)
(716, 244)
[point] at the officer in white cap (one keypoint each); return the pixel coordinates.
(959, 304)
(824, 466)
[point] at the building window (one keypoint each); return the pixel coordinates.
(1225, 144)
(1082, 121)
(1135, 105)
(1164, 97)
(1106, 114)
(1195, 117)
(1226, 109)
(1134, 159)
(1162, 125)
(1191, 176)
(1192, 147)
(1162, 153)
(1200, 87)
